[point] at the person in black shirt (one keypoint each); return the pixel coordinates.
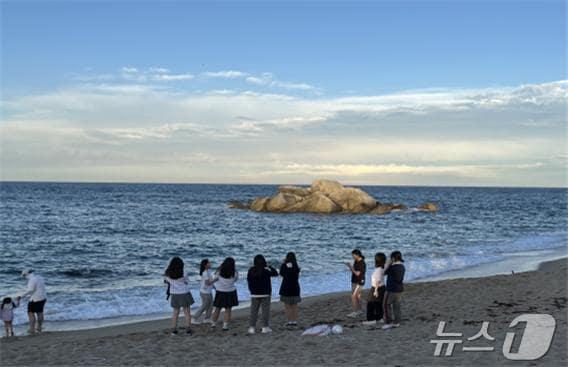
(260, 286)
(394, 270)
(290, 288)
(358, 270)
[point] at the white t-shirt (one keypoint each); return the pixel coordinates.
(36, 287)
(205, 277)
(377, 279)
(178, 286)
(226, 284)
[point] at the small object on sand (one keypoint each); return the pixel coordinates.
(337, 329)
(318, 330)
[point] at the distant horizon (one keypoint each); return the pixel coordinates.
(277, 184)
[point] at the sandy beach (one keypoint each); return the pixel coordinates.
(462, 303)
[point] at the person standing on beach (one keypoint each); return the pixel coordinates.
(377, 292)
(260, 287)
(178, 290)
(290, 288)
(7, 314)
(38, 298)
(358, 270)
(226, 295)
(206, 292)
(394, 270)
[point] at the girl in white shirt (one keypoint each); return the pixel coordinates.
(206, 292)
(178, 291)
(377, 292)
(226, 291)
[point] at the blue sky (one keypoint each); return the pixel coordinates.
(75, 69)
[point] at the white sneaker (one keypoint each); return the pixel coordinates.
(213, 324)
(390, 326)
(370, 323)
(195, 321)
(225, 326)
(251, 330)
(266, 330)
(381, 321)
(353, 315)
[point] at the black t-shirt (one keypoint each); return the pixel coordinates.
(290, 286)
(361, 267)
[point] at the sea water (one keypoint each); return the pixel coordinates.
(102, 248)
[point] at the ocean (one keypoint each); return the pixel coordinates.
(102, 248)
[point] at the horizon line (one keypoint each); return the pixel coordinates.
(271, 184)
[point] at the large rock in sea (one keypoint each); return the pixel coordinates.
(316, 203)
(282, 201)
(325, 197)
(259, 204)
(350, 199)
(295, 190)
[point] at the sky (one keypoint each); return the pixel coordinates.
(467, 93)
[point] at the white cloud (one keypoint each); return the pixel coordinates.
(226, 74)
(439, 136)
(128, 69)
(172, 77)
(267, 79)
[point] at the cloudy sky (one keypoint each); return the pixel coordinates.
(412, 93)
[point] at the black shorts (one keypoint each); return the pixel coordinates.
(36, 307)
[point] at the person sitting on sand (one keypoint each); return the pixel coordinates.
(394, 270)
(206, 292)
(377, 292)
(357, 281)
(178, 290)
(226, 295)
(38, 298)
(7, 314)
(260, 287)
(290, 288)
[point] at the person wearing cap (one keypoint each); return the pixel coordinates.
(36, 291)
(394, 270)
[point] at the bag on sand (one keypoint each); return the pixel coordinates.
(318, 330)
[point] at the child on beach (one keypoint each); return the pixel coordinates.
(394, 270)
(226, 294)
(260, 287)
(357, 281)
(377, 292)
(7, 314)
(206, 292)
(178, 290)
(290, 288)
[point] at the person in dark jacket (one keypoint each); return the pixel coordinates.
(394, 270)
(260, 287)
(290, 288)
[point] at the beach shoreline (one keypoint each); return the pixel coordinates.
(465, 302)
(517, 263)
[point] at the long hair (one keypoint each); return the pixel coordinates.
(291, 258)
(396, 256)
(259, 264)
(175, 268)
(203, 266)
(6, 301)
(380, 259)
(357, 252)
(227, 268)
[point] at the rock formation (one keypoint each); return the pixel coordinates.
(326, 197)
